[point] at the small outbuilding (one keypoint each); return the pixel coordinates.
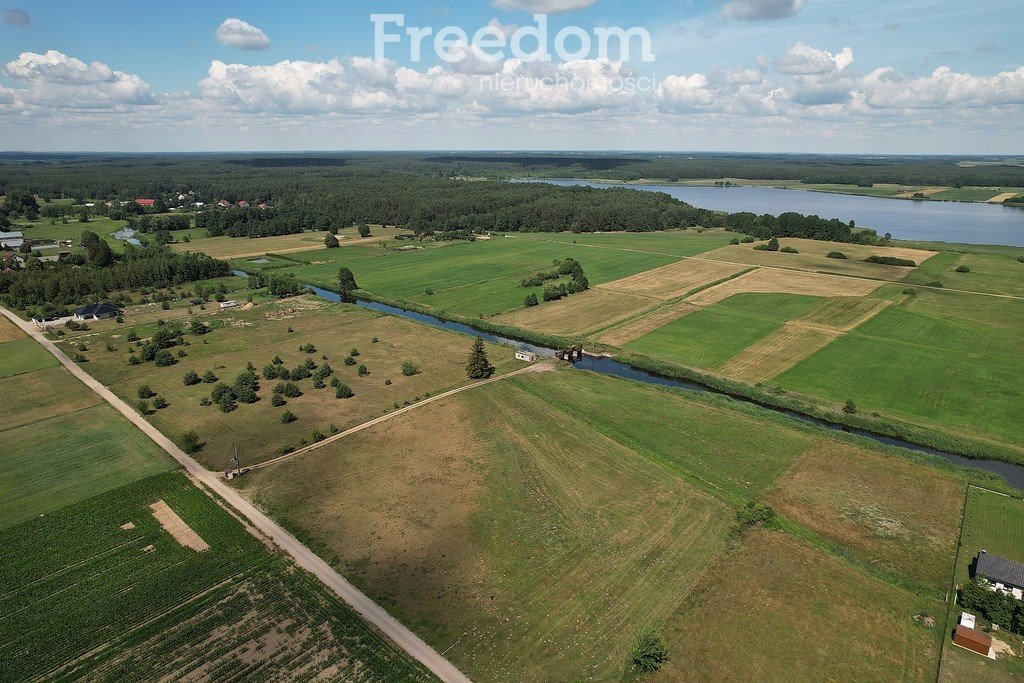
(975, 641)
(228, 304)
(526, 356)
(96, 312)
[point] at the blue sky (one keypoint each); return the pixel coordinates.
(763, 75)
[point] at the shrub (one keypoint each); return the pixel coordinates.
(753, 514)
(205, 401)
(165, 305)
(362, 370)
(307, 348)
(648, 653)
(530, 300)
(190, 442)
(289, 389)
(788, 250)
(160, 403)
(374, 340)
(277, 360)
(132, 336)
(849, 407)
(343, 391)
(145, 392)
(935, 283)
(277, 400)
(110, 347)
(142, 407)
(219, 392)
(349, 360)
(209, 377)
(890, 261)
(836, 254)
(318, 383)
(335, 381)
(79, 358)
(387, 382)
(428, 291)
(164, 358)
(191, 378)
(747, 240)
(734, 240)
(963, 269)
(409, 369)
(354, 352)
(134, 360)
(287, 417)
(226, 403)
(301, 372)
(198, 328)
(316, 436)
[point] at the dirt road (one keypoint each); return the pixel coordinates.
(303, 556)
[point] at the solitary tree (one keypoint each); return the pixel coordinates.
(479, 367)
(347, 284)
(330, 241)
(364, 230)
(648, 653)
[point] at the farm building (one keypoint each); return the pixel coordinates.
(975, 641)
(1001, 574)
(96, 312)
(527, 356)
(11, 240)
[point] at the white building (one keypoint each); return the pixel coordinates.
(228, 304)
(526, 356)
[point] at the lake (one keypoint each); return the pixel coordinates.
(903, 219)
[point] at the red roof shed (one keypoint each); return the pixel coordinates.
(975, 641)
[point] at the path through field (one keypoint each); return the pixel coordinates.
(303, 556)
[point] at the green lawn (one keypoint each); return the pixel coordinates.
(929, 359)
(713, 335)
(482, 277)
(23, 355)
(72, 230)
(86, 598)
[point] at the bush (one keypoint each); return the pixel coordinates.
(335, 381)
(316, 436)
(145, 392)
(747, 240)
(935, 283)
(349, 360)
(354, 352)
(78, 358)
(318, 383)
(734, 240)
(753, 514)
(836, 254)
(363, 371)
(226, 403)
(277, 400)
(890, 261)
(191, 378)
(409, 369)
(301, 372)
(277, 360)
(530, 300)
(428, 291)
(205, 401)
(343, 391)
(209, 377)
(648, 653)
(289, 389)
(387, 383)
(374, 340)
(963, 269)
(849, 407)
(190, 443)
(788, 250)
(134, 360)
(164, 358)
(133, 336)
(307, 348)
(287, 417)
(142, 407)
(160, 403)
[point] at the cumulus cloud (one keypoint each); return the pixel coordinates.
(55, 79)
(886, 88)
(685, 93)
(761, 10)
(803, 59)
(234, 32)
(15, 17)
(542, 6)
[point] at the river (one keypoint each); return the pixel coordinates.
(904, 219)
(1014, 474)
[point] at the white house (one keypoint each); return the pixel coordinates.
(228, 304)
(96, 312)
(526, 356)
(1001, 574)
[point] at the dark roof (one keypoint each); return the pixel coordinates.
(995, 568)
(97, 309)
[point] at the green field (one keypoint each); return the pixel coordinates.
(713, 335)
(61, 460)
(87, 597)
(279, 328)
(72, 230)
(482, 277)
(23, 355)
(989, 273)
(928, 359)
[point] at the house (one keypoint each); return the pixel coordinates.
(46, 321)
(145, 203)
(223, 203)
(263, 205)
(96, 312)
(1001, 574)
(526, 356)
(11, 240)
(975, 641)
(9, 259)
(228, 304)
(243, 204)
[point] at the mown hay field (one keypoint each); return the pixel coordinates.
(779, 351)
(508, 533)
(22, 356)
(9, 331)
(770, 280)
(779, 609)
(673, 280)
(578, 313)
(622, 334)
(242, 247)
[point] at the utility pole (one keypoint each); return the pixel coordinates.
(234, 459)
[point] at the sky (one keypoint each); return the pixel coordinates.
(834, 76)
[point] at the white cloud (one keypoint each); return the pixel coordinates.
(16, 17)
(761, 10)
(57, 80)
(803, 59)
(685, 93)
(886, 88)
(542, 6)
(234, 32)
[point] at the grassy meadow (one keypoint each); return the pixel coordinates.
(280, 328)
(135, 604)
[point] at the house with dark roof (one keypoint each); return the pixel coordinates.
(96, 312)
(1001, 574)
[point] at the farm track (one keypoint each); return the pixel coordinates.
(303, 556)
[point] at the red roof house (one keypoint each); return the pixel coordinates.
(145, 203)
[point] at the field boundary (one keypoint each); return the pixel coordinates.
(373, 613)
